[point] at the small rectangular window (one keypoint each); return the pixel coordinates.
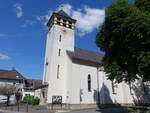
(59, 52)
(58, 18)
(58, 66)
(60, 38)
(70, 26)
(58, 23)
(64, 20)
(64, 24)
(70, 22)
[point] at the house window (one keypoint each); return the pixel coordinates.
(27, 94)
(89, 83)
(59, 52)
(58, 66)
(60, 38)
(114, 86)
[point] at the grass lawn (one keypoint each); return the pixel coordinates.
(137, 110)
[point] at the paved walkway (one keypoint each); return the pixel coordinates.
(7, 111)
(106, 110)
(33, 111)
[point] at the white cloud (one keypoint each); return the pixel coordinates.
(88, 21)
(44, 18)
(87, 18)
(18, 10)
(65, 7)
(4, 57)
(28, 23)
(2, 35)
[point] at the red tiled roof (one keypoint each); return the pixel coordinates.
(14, 75)
(10, 74)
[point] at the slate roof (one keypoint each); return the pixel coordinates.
(62, 13)
(10, 74)
(86, 55)
(34, 82)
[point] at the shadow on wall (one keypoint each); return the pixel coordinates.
(102, 97)
(141, 94)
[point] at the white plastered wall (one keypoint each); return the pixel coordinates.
(58, 86)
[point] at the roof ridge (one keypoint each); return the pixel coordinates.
(89, 51)
(63, 13)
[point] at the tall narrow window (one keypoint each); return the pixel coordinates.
(89, 83)
(58, 66)
(113, 88)
(114, 85)
(60, 38)
(46, 65)
(59, 52)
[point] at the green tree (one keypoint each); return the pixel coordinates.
(143, 4)
(7, 91)
(18, 96)
(125, 38)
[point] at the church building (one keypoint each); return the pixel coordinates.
(75, 77)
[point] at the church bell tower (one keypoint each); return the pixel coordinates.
(60, 39)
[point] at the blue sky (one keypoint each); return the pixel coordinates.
(23, 33)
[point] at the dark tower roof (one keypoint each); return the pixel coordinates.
(62, 13)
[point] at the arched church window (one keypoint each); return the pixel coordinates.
(89, 83)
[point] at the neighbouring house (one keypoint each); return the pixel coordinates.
(23, 85)
(30, 87)
(75, 77)
(11, 77)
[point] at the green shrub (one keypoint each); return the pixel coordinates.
(36, 101)
(31, 100)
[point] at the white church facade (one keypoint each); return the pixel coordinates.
(74, 76)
